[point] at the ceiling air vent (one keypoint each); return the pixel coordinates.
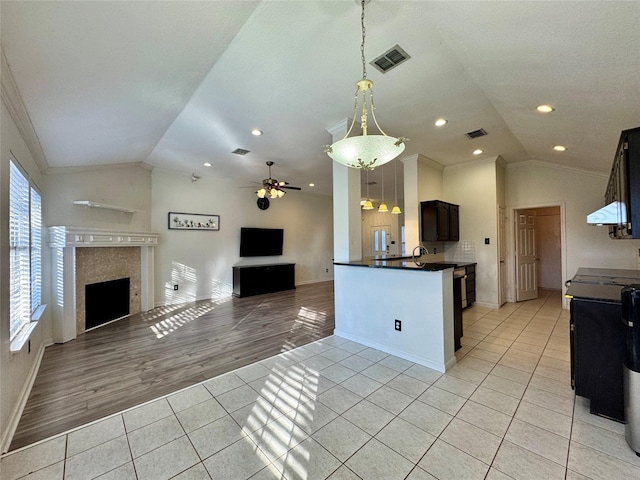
(391, 58)
(476, 133)
(240, 151)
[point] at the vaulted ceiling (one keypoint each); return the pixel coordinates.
(178, 84)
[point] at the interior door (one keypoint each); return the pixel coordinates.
(379, 237)
(502, 255)
(526, 261)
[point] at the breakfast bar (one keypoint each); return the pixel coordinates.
(399, 307)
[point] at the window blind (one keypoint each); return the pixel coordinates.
(25, 249)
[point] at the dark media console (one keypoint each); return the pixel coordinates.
(257, 279)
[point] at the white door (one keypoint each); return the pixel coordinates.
(526, 261)
(379, 237)
(502, 254)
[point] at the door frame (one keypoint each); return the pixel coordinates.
(511, 253)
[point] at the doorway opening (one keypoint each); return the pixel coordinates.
(538, 255)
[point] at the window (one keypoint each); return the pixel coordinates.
(25, 245)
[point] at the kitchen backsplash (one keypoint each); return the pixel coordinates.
(460, 252)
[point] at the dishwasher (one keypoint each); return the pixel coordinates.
(461, 273)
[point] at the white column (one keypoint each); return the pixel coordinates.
(423, 179)
(64, 298)
(347, 217)
(147, 255)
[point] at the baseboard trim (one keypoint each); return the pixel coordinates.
(22, 401)
(425, 362)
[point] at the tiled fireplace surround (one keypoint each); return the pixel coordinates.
(82, 256)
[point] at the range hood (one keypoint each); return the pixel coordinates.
(613, 214)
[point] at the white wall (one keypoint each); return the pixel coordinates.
(126, 185)
(422, 182)
(536, 184)
(421, 300)
(473, 186)
(201, 262)
(17, 370)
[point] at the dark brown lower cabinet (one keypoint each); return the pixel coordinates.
(457, 312)
(256, 279)
(598, 346)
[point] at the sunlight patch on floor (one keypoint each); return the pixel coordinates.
(173, 323)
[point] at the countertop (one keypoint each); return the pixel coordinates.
(601, 283)
(402, 263)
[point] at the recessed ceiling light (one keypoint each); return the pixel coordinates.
(440, 122)
(560, 148)
(257, 132)
(545, 108)
(312, 184)
(206, 164)
(477, 151)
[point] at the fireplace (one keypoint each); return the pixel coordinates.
(106, 301)
(85, 256)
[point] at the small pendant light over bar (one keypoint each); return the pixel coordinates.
(396, 209)
(367, 205)
(383, 206)
(365, 151)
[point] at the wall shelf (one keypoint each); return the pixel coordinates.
(105, 206)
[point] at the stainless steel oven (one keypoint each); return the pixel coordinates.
(461, 273)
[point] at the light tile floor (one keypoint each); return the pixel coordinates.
(339, 410)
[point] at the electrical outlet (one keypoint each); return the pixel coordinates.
(175, 287)
(398, 325)
(486, 241)
(326, 270)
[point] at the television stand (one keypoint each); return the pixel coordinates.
(258, 279)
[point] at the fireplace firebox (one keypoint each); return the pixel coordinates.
(106, 301)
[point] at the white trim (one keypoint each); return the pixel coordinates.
(563, 246)
(23, 336)
(18, 112)
(540, 163)
(21, 402)
(105, 206)
(61, 236)
(425, 362)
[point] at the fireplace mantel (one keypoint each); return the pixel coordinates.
(64, 241)
(60, 237)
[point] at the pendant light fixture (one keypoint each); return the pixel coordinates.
(367, 205)
(383, 206)
(365, 151)
(396, 209)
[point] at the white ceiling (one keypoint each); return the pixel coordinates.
(177, 84)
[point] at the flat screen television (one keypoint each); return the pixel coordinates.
(260, 242)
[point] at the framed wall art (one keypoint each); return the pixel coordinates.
(193, 221)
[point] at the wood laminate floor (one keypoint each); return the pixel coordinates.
(148, 355)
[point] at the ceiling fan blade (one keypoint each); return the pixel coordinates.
(290, 188)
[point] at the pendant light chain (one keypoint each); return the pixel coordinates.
(364, 33)
(395, 183)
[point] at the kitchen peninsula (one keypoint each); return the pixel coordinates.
(370, 314)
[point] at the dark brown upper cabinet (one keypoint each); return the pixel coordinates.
(440, 221)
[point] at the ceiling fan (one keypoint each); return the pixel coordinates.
(272, 188)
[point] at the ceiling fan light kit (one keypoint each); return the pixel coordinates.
(272, 188)
(365, 151)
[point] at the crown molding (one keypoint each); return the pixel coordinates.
(93, 168)
(555, 166)
(12, 99)
(481, 161)
(423, 160)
